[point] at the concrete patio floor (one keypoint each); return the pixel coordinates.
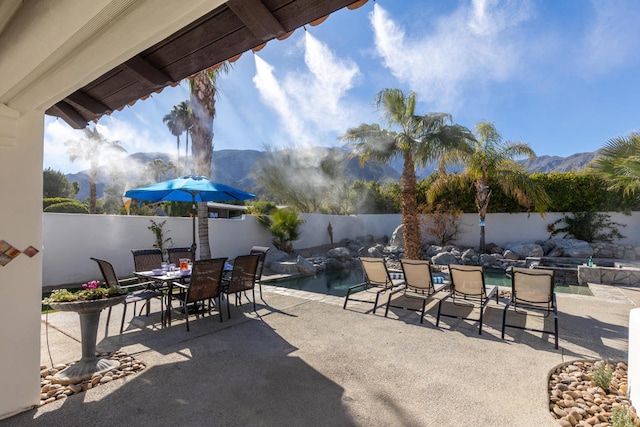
(303, 360)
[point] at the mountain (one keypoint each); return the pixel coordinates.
(235, 167)
(560, 164)
(231, 167)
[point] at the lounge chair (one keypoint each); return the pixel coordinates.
(377, 280)
(243, 278)
(418, 284)
(532, 289)
(262, 251)
(137, 291)
(205, 286)
(467, 283)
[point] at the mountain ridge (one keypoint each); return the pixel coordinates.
(235, 168)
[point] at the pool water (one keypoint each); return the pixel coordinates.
(336, 282)
(333, 282)
(498, 278)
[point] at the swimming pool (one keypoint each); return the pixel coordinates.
(336, 282)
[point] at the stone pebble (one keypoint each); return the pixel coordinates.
(576, 400)
(50, 391)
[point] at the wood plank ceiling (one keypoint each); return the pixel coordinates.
(229, 30)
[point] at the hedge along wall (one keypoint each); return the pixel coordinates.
(70, 239)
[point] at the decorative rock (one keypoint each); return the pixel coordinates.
(575, 248)
(397, 237)
(275, 255)
(374, 253)
(444, 258)
(340, 253)
(525, 250)
(509, 254)
(305, 266)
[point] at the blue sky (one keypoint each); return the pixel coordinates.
(560, 75)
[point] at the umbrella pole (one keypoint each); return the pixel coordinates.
(193, 225)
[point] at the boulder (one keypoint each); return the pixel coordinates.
(525, 250)
(305, 266)
(431, 250)
(284, 267)
(444, 258)
(275, 255)
(397, 238)
(469, 254)
(549, 246)
(555, 252)
(340, 253)
(374, 253)
(335, 264)
(488, 259)
(509, 254)
(575, 248)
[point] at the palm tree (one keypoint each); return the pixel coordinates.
(158, 169)
(184, 116)
(488, 159)
(175, 123)
(418, 140)
(203, 109)
(94, 148)
(619, 163)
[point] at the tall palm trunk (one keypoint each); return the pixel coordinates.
(203, 104)
(410, 222)
(483, 194)
(93, 177)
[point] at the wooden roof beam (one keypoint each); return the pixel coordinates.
(257, 18)
(147, 71)
(69, 114)
(87, 102)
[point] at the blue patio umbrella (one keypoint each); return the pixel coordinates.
(189, 188)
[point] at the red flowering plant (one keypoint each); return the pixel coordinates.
(90, 291)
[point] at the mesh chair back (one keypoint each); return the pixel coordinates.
(532, 286)
(262, 251)
(467, 280)
(175, 254)
(108, 273)
(146, 259)
(206, 278)
(376, 272)
(243, 275)
(417, 274)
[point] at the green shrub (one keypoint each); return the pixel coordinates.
(622, 417)
(67, 207)
(588, 226)
(284, 225)
(602, 375)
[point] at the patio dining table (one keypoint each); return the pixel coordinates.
(169, 277)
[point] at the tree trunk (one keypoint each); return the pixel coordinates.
(93, 175)
(410, 222)
(178, 151)
(203, 105)
(483, 194)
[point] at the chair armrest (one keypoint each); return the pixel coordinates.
(180, 285)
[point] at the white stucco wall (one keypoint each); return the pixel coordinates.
(20, 279)
(70, 239)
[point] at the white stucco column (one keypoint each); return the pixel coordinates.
(21, 147)
(634, 356)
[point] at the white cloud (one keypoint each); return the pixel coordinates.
(314, 102)
(612, 39)
(474, 45)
